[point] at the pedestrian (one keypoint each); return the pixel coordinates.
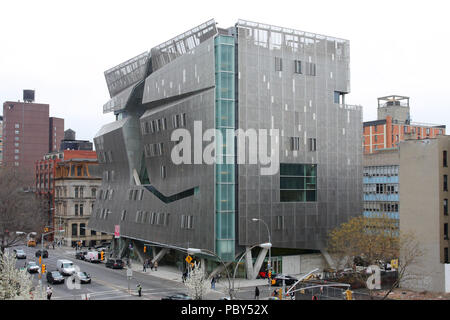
(213, 283)
(256, 293)
(151, 265)
(139, 289)
(184, 276)
(155, 265)
(53, 245)
(49, 292)
(144, 266)
(274, 293)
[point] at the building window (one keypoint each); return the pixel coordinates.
(280, 222)
(445, 231)
(298, 182)
(93, 192)
(444, 156)
(446, 255)
(298, 66)
(446, 207)
(295, 143)
(310, 69)
(278, 64)
(82, 229)
(76, 209)
(312, 144)
(445, 183)
(74, 229)
(163, 172)
(81, 209)
(93, 233)
(124, 215)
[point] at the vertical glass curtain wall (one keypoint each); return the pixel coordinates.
(225, 157)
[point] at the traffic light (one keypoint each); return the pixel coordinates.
(40, 259)
(102, 255)
(43, 268)
(348, 294)
(145, 249)
(45, 229)
(270, 274)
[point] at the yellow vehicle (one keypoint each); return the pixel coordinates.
(31, 243)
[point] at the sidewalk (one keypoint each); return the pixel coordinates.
(221, 290)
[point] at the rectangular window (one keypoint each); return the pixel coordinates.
(280, 222)
(445, 183)
(444, 156)
(446, 255)
(297, 66)
(82, 229)
(446, 207)
(295, 143)
(81, 209)
(298, 182)
(445, 231)
(312, 144)
(163, 172)
(278, 64)
(124, 215)
(76, 209)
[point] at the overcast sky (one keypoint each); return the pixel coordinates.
(61, 48)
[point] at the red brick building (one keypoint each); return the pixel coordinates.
(28, 134)
(394, 125)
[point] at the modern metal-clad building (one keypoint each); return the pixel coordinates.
(162, 188)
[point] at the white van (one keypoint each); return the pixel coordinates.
(92, 256)
(66, 267)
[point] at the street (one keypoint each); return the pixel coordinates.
(106, 284)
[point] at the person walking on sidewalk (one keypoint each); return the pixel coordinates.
(213, 283)
(49, 292)
(256, 293)
(156, 265)
(144, 266)
(139, 288)
(151, 265)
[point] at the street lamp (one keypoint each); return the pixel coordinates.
(269, 266)
(266, 245)
(196, 250)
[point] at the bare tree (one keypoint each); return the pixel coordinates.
(374, 240)
(21, 211)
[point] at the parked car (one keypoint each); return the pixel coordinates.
(92, 256)
(20, 254)
(44, 255)
(32, 267)
(66, 267)
(54, 277)
(115, 263)
(177, 296)
(80, 255)
(82, 277)
(288, 280)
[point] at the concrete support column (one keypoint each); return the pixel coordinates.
(139, 251)
(219, 269)
(328, 259)
(258, 263)
(160, 254)
(123, 246)
(248, 263)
